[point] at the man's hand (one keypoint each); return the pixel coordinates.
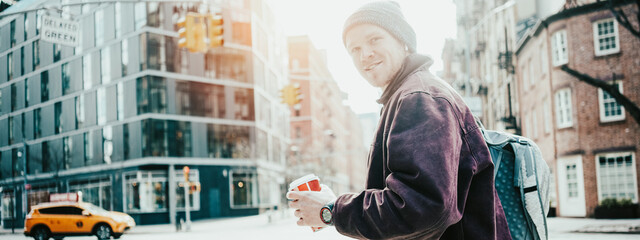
(307, 205)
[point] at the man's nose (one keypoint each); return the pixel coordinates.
(366, 53)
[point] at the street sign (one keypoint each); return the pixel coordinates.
(60, 31)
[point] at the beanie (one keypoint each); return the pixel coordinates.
(387, 15)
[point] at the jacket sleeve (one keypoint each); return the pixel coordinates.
(420, 197)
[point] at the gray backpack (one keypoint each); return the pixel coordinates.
(522, 179)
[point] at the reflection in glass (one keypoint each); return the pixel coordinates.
(107, 143)
(99, 26)
(102, 106)
(140, 18)
(200, 99)
(225, 141)
(105, 60)
(229, 64)
(86, 71)
(244, 190)
(166, 138)
(151, 94)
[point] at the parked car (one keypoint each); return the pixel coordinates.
(61, 219)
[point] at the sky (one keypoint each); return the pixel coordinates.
(322, 21)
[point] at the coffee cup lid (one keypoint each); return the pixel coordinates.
(303, 179)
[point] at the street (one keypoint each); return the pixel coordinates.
(283, 226)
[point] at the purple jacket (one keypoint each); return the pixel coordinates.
(430, 175)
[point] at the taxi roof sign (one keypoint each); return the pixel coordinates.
(65, 197)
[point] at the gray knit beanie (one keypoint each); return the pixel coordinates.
(387, 15)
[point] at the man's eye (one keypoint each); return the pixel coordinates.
(374, 40)
(355, 50)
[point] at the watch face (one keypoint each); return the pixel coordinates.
(326, 215)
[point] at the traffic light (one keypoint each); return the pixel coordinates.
(185, 171)
(291, 95)
(191, 33)
(215, 30)
(194, 187)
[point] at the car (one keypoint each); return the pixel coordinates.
(61, 219)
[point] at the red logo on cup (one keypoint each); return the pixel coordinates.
(309, 182)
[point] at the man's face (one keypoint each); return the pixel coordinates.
(375, 52)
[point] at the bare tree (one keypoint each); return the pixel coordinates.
(617, 9)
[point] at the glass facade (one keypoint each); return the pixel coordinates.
(166, 138)
(151, 92)
(226, 141)
(160, 106)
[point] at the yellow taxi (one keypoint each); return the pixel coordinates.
(61, 219)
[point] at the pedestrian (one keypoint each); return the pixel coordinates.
(430, 175)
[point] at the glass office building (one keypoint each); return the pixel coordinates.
(120, 115)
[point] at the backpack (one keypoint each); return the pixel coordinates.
(522, 179)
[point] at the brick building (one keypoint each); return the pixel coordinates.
(589, 141)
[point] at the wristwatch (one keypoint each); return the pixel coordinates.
(326, 213)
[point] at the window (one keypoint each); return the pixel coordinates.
(44, 86)
(95, 191)
(244, 191)
(605, 37)
(146, 191)
(166, 138)
(125, 56)
(107, 143)
(58, 117)
(102, 106)
(572, 180)
(125, 141)
(564, 112)
(12, 36)
(118, 19)
(140, 15)
(610, 109)
(26, 93)
(10, 66)
(66, 79)
(105, 60)
(67, 152)
(88, 148)
(56, 52)
(151, 92)
(617, 176)
(61, 211)
(21, 61)
(36, 123)
(559, 49)
(224, 141)
(547, 115)
(46, 158)
(120, 100)
(86, 71)
(80, 117)
(36, 54)
(14, 97)
(11, 130)
(99, 27)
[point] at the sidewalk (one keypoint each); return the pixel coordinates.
(591, 225)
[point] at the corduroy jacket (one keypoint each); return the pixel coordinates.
(430, 174)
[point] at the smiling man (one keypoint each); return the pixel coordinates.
(430, 175)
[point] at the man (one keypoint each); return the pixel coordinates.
(430, 175)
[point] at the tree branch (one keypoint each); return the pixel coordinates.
(628, 105)
(623, 20)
